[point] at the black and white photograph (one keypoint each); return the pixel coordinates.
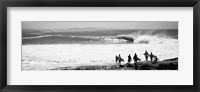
(99, 45)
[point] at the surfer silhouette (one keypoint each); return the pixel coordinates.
(129, 58)
(146, 54)
(135, 58)
(120, 59)
(155, 58)
(151, 56)
(116, 58)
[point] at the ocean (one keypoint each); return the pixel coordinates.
(52, 48)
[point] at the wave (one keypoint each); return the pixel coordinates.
(135, 37)
(128, 38)
(59, 39)
(150, 36)
(122, 39)
(42, 36)
(164, 33)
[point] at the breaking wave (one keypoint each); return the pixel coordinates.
(150, 36)
(135, 37)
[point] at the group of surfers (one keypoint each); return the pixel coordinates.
(119, 59)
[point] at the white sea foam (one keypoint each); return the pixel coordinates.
(43, 57)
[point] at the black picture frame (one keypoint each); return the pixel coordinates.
(99, 3)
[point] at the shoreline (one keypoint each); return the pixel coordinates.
(167, 64)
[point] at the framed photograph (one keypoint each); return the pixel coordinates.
(129, 45)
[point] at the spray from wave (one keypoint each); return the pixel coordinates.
(150, 36)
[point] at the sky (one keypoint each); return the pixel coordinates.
(100, 24)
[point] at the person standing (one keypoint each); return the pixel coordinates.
(151, 56)
(129, 58)
(119, 59)
(146, 55)
(116, 58)
(135, 58)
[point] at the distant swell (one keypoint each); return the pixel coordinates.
(58, 39)
(43, 36)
